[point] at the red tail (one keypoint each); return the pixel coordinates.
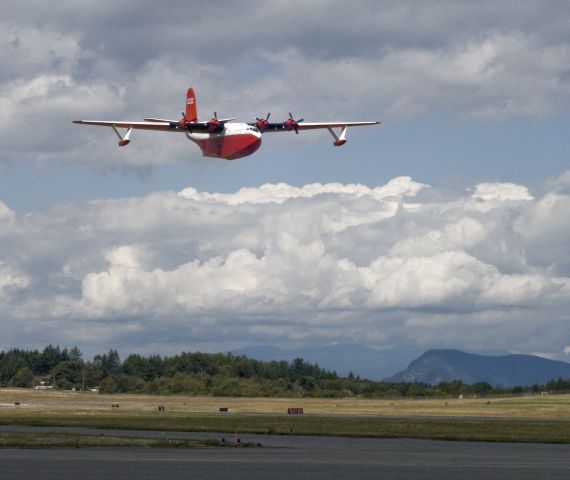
(191, 111)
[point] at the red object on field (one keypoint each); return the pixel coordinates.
(295, 411)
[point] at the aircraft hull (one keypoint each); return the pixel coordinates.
(230, 144)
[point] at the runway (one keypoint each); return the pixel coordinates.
(286, 457)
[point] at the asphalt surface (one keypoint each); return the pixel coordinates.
(289, 457)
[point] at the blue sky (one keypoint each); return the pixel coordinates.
(435, 150)
(465, 181)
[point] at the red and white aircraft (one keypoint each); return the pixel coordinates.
(220, 137)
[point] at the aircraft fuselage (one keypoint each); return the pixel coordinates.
(235, 140)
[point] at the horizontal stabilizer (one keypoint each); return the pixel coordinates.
(165, 120)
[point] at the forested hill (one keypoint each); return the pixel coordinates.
(211, 374)
(196, 373)
(436, 366)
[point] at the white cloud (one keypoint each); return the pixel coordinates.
(524, 290)
(321, 261)
(425, 281)
(124, 256)
(543, 225)
(5, 211)
(463, 234)
(11, 279)
(48, 100)
(281, 192)
(491, 76)
(307, 264)
(501, 191)
(562, 182)
(549, 356)
(26, 50)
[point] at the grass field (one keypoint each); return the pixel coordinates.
(526, 419)
(536, 407)
(67, 440)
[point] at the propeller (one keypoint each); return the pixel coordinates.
(292, 124)
(214, 123)
(261, 123)
(183, 121)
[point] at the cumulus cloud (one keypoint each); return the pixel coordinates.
(25, 50)
(311, 264)
(271, 193)
(5, 211)
(501, 191)
(11, 279)
(320, 262)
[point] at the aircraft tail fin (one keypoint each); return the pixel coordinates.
(191, 111)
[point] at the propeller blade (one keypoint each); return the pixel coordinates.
(262, 122)
(293, 124)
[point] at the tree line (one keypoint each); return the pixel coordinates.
(215, 374)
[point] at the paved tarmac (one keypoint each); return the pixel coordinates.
(291, 457)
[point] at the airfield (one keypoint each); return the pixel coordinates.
(539, 419)
(501, 437)
(53, 401)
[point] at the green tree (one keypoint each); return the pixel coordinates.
(93, 375)
(68, 374)
(480, 388)
(536, 388)
(49, 358)
(108, 385)
(455, 387)
(109, 363)
(75, 354)
(23, 378)
(10, 363)
(128, 383)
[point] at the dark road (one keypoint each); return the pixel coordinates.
(285, 457)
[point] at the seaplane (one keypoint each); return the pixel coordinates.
(222, 137)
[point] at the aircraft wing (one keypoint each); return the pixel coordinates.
(155, 124)
(159, 125)
(302, 125)
(314, 125)
(339, 137)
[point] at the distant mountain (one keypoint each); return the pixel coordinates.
(435, 366)
(343, 358)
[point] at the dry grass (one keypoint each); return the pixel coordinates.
(74, 440)
(536, 407)
(529, 419)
